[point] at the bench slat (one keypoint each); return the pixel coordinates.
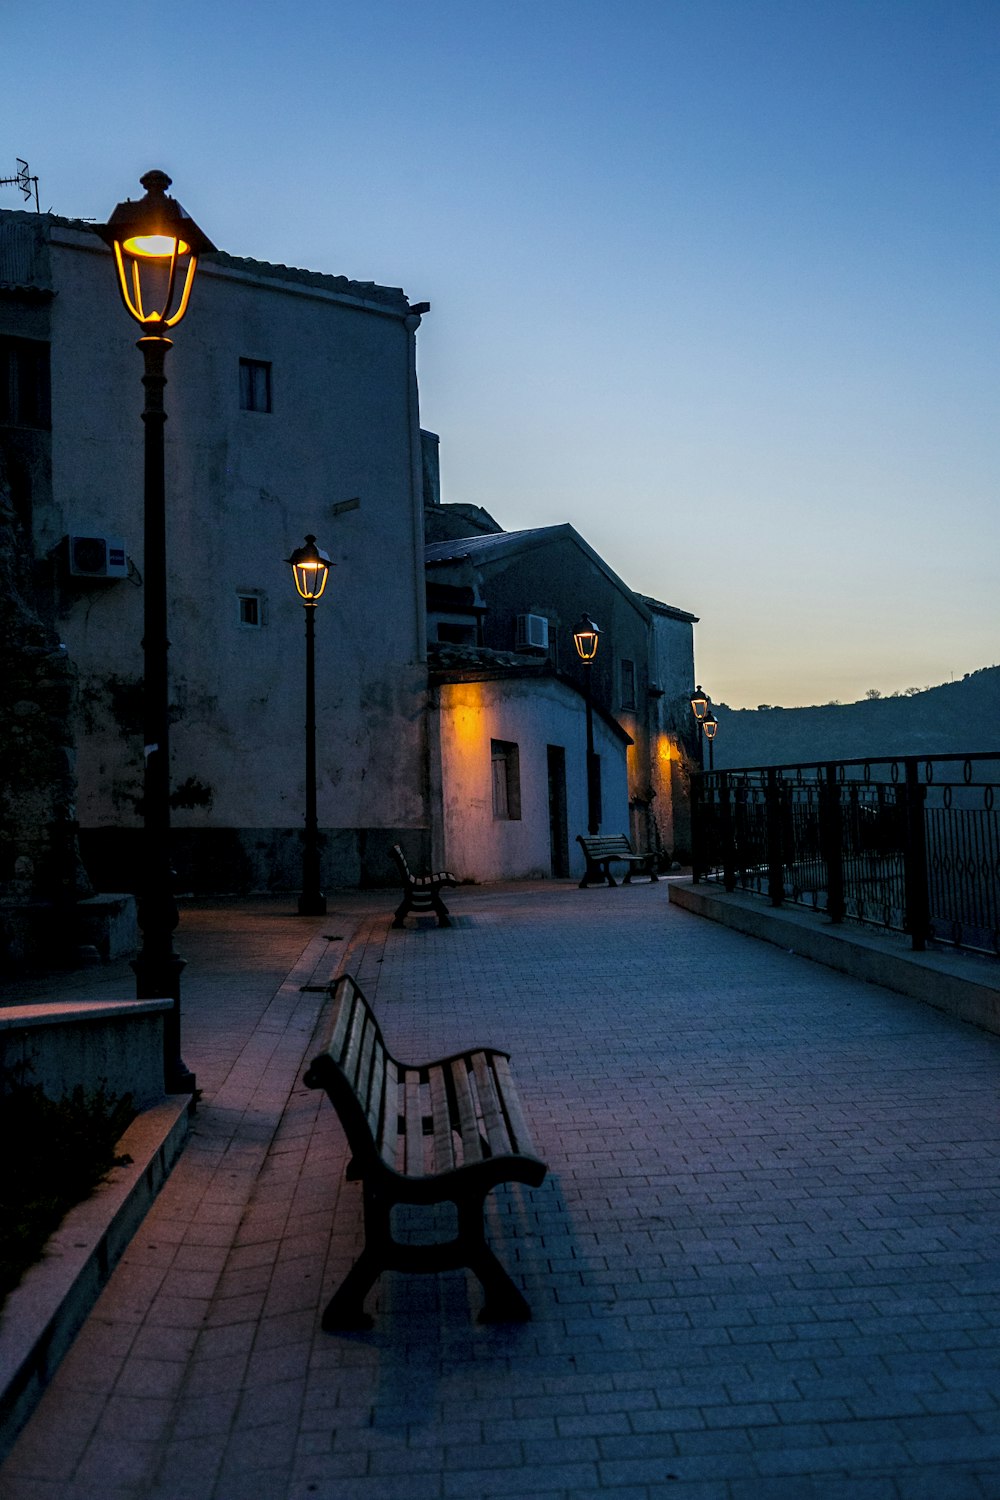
(413, 1131)
(472, 1142)
(376, 1088)
(352, 1048)
(368, 1069)
(497, 1132)
(346, 991)
(511, 1105)
(444, 1145)
(387, 1137)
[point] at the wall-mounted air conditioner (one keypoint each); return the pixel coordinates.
(97, 557)
(532, 630)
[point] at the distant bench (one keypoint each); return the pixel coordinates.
(602, 852)
(421, 892)
(445, 1131)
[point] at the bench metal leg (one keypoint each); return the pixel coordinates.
(346, 1308)
(444, 919)
(504, 1303)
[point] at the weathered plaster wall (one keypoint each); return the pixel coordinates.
(531, 713)
(338, 456)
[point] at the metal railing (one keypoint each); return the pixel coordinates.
(909, 845)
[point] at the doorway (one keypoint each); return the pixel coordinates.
(558, 827)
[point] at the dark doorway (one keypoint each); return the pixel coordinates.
(558, 830)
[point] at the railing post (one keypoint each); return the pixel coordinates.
(832, 843)
(775, 867)
(728, 841)
(917, 919)
(697, 827)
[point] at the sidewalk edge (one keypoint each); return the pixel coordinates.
(43, 1314)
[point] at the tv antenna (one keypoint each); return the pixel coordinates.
(24, 181)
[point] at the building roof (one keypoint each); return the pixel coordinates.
(482, 549)
(21, 233)
(493, 544)
(669, 610)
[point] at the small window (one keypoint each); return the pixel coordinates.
(628, 684)
(456, 635)
(251, 610)
(24, 383)
(506, 780)
(255, 385)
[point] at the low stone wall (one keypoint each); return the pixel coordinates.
(114, 1043)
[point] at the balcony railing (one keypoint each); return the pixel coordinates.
(909, 845)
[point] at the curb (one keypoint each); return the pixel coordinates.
(43, 1314)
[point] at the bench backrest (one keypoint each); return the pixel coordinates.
(353, 1068)
(606, 845)
(397, 853)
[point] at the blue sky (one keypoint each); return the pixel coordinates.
(714, 280)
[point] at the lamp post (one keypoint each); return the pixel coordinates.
(310, 569)
(156, 246)
(699, 707)
(585, 638)
(710, 726)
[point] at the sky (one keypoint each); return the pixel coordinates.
(713, 280)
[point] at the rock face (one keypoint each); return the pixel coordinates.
(39, 858)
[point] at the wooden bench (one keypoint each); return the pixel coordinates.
(439, 1132)
(601, 852)
(421, 892)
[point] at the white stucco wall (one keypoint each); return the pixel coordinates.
(243, 489)
(532, 713)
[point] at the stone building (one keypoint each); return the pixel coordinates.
(524, 592)
(292, 408)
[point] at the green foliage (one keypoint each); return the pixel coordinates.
(55, 1154)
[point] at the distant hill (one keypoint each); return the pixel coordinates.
(955, 718)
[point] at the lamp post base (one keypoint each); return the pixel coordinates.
(158, 978)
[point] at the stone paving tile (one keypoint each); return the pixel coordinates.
(762, 1264)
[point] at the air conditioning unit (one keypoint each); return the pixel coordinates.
(533, 631)
(97, 557)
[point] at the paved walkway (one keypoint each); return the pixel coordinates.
(764, 1265)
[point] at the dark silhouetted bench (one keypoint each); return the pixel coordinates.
(601, 854)
(421, 892)
(446, 1131)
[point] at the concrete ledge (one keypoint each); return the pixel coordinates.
(108, 923)
(58, 1044)
(42, 1316)
(963, 985)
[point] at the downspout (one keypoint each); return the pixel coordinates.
(431, 784)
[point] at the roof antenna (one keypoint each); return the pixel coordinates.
(23, 181)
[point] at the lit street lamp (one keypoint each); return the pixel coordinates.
(156, 246)
(710, 725)
(585, 638)
(310, 569)
(700, 707)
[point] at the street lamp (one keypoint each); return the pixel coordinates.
(585, 638)
(699, 703)
(710, 725)
(156, 246)
(310, 568)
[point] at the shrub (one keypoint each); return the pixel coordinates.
(56, 1153)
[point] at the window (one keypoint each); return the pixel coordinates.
(24, 383)
(506, 780)
(255, 385)
(251, 609)
(628, 684)
(448, 633)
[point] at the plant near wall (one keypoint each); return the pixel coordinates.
(58, 1152)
